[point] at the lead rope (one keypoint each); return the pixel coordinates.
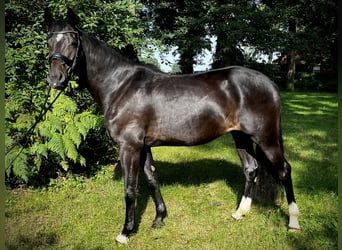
(24, 139)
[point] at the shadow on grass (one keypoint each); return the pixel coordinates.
(193, 173)
(199, 172)
(41, 240)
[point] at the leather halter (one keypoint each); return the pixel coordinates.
(63, 59)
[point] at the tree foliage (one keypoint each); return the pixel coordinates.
(265, 26)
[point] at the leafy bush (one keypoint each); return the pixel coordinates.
(312, 82)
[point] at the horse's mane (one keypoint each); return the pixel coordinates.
(126, 55)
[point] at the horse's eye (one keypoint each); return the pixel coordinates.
(74, 44)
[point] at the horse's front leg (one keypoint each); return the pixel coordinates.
(151, 178)
(130, 162)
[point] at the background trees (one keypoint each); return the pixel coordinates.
(304, 32)
(300, 30)
(179, 23)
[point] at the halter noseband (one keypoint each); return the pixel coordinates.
(63, 59)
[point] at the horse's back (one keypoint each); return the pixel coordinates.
(246, 81)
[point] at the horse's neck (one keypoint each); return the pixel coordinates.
(103, 70)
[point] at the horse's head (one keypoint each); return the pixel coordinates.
(64, 45)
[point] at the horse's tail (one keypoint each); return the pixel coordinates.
(268, 187)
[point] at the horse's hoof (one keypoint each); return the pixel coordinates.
(158, 224)
(237, 216)
(294, 230)
(122, 239)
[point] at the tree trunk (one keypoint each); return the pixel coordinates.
(291, 60)
(186, 61)
(226, 54)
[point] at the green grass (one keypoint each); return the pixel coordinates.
(201, 187)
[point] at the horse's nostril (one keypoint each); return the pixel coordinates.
(56, 78)
(61, 78)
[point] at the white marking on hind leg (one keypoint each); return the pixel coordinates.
(244, 207)
(293, 214)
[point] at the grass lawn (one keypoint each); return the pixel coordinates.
(201, 186)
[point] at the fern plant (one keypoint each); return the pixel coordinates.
(63, 130)
(60, 134)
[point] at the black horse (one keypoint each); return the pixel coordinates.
(144, 108)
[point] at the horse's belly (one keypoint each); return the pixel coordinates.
(186, 131)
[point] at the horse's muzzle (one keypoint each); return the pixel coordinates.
(57, 80)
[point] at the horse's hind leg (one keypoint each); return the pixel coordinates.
(151, 178)
(244, 146)
(283, 171)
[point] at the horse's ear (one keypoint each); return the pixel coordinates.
(48, 18)
(73, 19)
